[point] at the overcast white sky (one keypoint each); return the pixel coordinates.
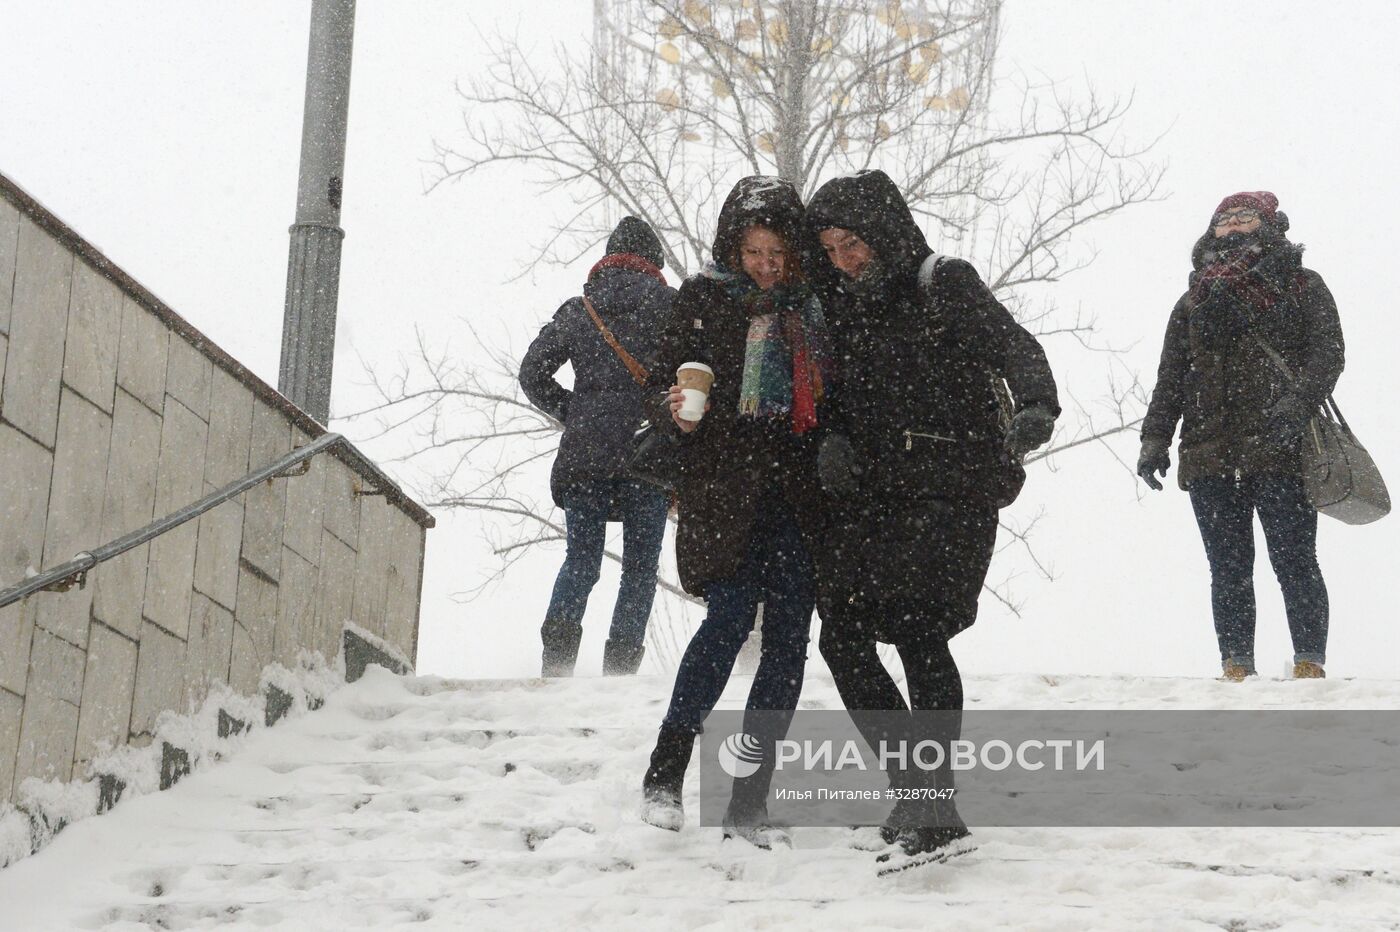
(167, 132)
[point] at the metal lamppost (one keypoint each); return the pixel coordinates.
(313, 265)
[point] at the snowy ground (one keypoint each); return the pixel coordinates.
(431, 803)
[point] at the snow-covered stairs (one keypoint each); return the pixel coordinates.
(430, 803)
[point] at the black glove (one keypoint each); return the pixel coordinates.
(836, 465)
(1030, 428)
(1154, 460)
(1288, 419)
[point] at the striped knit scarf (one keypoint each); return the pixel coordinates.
(787, 365)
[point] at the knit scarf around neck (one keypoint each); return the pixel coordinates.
(786, 361)
(1239, 270)
(629, 261)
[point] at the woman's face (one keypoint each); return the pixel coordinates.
(847, 252)
(763, 256)
(1236, 220)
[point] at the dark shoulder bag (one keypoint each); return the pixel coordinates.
(656, 453)
(1341, 478)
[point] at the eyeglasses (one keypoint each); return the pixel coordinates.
(1247, 215)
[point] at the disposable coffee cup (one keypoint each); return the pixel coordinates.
(695, 379)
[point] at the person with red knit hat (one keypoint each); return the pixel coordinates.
(1250, 302)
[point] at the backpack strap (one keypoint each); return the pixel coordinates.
(1006, 405)
(639, 372)
(927, 271)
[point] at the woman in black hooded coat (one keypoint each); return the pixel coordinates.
(919, 460)
(748, 495)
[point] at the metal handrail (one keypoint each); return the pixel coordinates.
(66, 575)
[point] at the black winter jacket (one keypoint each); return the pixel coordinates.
(604, 408)
(915, 395)
(1215, 378)
(916, 374)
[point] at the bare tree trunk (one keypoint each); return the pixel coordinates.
(792, 116)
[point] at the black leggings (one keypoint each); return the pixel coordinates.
(876, 706)
(863, 682)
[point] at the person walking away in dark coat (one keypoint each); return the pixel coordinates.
(748, 493)
(1243, 420)
(589, 480)
(919, 460)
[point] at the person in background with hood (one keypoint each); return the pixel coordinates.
(748, 495)
(1243, 419)
(630, 297)
(919, 459)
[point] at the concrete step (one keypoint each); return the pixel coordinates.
(434, 803)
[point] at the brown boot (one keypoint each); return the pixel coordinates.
(1235, 672)
(1308, 670)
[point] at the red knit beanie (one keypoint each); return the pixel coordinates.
(1263, 201)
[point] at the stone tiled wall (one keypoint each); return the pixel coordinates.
(114, 412)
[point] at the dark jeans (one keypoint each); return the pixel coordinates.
(587, 507)
(776, 571)
(1225, 510)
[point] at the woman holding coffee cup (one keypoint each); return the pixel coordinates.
(747, 345)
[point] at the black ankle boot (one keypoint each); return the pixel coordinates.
(751, 823)
(621, 659)
(941, 841)
(665, 779)
(904, 816)
(560, 647)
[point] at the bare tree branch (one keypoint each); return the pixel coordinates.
(672, 102)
